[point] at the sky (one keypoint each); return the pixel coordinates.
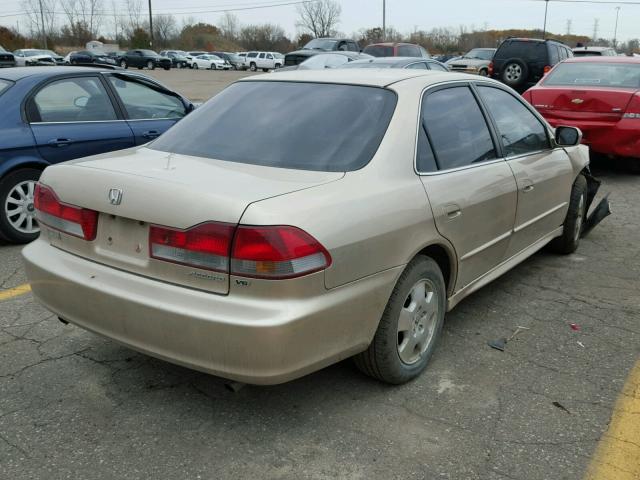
(407, 15)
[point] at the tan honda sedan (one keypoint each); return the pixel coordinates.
(298, 219)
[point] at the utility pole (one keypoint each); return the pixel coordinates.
(594, 39)
(615, 33)
(150, 26)
(44, 32)
(384, 20)
(544, 29)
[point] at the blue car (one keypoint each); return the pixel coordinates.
(51, 115)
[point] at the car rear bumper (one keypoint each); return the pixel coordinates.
(263, 340)
(620, 139)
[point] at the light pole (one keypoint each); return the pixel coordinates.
(615, 33)
(150, 26)
(544, 29)
(44, 32)
(384, 20)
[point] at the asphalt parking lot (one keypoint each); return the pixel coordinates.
(74, 405)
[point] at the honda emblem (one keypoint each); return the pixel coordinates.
(115, 196)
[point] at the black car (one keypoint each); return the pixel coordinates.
(87, 56)
(399, 62)
(6, 58)
(235, 60)
(521, 62)
(144, 58)
(178, 58)
(319, 45)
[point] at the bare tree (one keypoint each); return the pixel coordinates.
(319, 17)
(134, 11)
(229, 25)
(82, 15)
(35, 17)
(165, 28)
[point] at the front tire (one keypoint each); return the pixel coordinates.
(570, 239)
(17, 213)
(195, 66)
(151, 65)
(123, 64)
(253, 67)
(410, 325)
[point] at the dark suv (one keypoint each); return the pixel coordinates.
(521, 62)
(320, 45)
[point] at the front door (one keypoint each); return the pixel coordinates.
(74, 117)
(471, 190)
(543, 174)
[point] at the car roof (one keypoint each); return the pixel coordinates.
(391, 44)
(354, 76)
(395, 60)
(18, 73)
(591, 49)
(630, 60)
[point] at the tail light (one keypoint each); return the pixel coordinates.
(276, 252)
(204, 246)
(76, 221)
(633, 108)
(547, 69)
(490, 69)
(273, 252)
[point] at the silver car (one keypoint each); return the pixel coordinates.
(344, 219)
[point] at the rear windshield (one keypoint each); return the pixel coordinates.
(583, 53)
(595, 74)
(526, 50)
(305, 126)
(4, 85)
(379, 51)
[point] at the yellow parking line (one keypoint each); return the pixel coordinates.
(617, 456)
(14, 292)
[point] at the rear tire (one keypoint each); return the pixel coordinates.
(570, 239)
(13, 217)
(123, 64)
(253, 67)
(410, 326)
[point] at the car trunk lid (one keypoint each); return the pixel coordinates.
(157, 188)
(593, 104)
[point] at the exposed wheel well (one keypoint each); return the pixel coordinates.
(20, 166)
(444, 261)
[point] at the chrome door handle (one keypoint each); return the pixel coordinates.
(59, 142)
(452, 211)
(151, 134)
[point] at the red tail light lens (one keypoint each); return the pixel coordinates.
(547, 69)
(76, 221)
(276, 252)
(490, 69)
(203, 246)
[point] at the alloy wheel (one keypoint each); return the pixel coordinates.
(417, 322)
(513, 72)
(19, 208)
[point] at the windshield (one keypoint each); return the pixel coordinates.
(595, 74)
(149, 53)
(4, 85)
(320, 44)
(369, 65)
(379, 51)
(480, 54)
(326, 60)
(33, 53)
(278, 55)
(321, 127)
(586, 53)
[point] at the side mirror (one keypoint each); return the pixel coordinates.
(568, 136)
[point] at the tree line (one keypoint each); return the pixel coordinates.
(70, 24)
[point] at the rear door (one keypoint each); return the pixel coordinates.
(471, 189)
(75, 117)
(543, 174)
(150, 110)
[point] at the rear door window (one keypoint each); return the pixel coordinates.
(418, 66)
(379, 51)
(456, 128)
(521, 132)
(437, 67)
(321, 127)
(554, 55)
(408, 51)
(4, 85)
(82, 99)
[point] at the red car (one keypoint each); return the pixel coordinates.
(599, 95)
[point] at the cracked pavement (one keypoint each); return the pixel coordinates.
(75, 405)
